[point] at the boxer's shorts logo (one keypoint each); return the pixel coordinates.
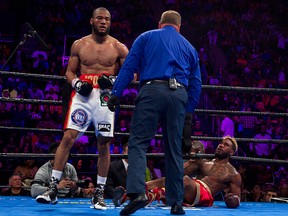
(104, 127)
(104, 97)
(79, 117)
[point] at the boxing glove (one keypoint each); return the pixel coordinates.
(186, 138)
(106, 82)
(231, 200)
(82, 87)
(113, 102)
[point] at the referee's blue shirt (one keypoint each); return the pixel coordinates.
(162, 54)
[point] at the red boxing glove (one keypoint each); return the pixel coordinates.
(232, 200)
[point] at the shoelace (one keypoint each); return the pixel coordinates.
(100, 194)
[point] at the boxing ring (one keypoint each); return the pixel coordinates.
(27, 206)
(77, 206)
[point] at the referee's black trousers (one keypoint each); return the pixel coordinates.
(157, 103)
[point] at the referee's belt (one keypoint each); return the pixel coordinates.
(166, 82)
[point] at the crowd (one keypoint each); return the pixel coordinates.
(249, 39)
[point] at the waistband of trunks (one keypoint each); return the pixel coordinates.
(94, 78)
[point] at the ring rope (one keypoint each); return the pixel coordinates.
(245, 89)
(214, 112)
(225, 112)
(274, 141)
(149, 155)
(131, 107)
(208, 87)
(31, 101)
(42, 76)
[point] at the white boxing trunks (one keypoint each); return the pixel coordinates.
(93, 108)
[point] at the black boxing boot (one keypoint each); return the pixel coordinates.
(98, 201)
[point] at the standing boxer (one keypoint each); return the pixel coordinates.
(98, 56)
(170, 83)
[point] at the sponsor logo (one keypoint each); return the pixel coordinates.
(104, 127)
(79, 117)
(104, 97)
(93, 78)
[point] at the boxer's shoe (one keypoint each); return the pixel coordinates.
(98, 201)
(50, 196)
(118, 196)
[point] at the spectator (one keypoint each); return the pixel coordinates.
(154, 171)
(256, 194)
(67, 185)
(43, 65)
(15, 183)
(52, 84)
(51, 94)
(19, 115)
(246, 128)
(261, 149)
(212, 36)
(35, 93)
(12, 143)
(35, 58)
(227, 127)
(117, 173)
(87, 192)
(209, 149)
(269, 195)
(283, 190)
(6, 94)
(248, 124)
(197, 129)
(5, 116)
(27, 171)
(34, 115)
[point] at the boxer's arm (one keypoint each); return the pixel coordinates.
(73, 62)
(232, 199)
(83, 87)
(122, 51)
(235, 185)
(190, 167)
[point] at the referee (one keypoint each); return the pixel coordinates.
(170, 81)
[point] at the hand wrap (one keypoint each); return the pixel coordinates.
(82, 87)
(106, 82)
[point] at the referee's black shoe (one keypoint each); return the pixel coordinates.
(137, 201)
(177, 210)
